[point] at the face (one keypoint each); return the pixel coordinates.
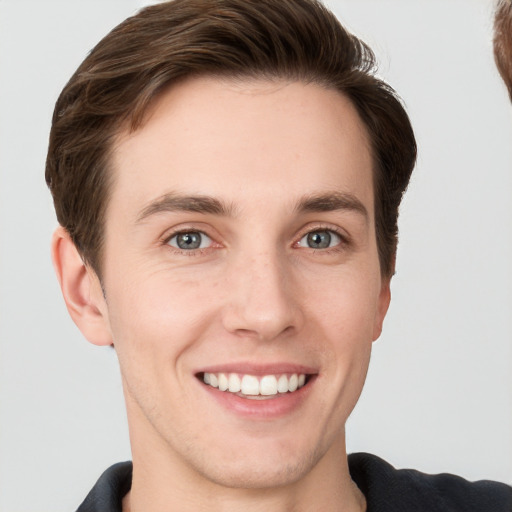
(242, 280)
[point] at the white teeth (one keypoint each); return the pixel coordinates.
(250, 385)
(268, 385)
(223, 382)
(282, 384)
(294, 382)
(234, 383)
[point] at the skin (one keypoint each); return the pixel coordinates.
(255, 293)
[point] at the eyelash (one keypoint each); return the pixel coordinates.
(183, 252)
(341, 246)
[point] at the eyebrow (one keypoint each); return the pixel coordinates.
(173, 202)
(332, 201)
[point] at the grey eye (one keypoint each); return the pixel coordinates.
(321, 239)
(190, 240)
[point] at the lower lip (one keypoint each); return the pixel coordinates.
(269, 408)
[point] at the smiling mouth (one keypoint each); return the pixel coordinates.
(253, 387)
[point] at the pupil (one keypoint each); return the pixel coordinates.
(319, 239)
(189, 240)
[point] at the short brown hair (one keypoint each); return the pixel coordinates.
(164, 43)
(503, 42)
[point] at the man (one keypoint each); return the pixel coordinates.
(227, 177)
(503, 41)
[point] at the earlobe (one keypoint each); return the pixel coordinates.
(81, 290)
(382, 307)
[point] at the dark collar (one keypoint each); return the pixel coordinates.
(386, 489)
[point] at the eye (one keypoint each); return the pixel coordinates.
(320, 239)
(190, 240)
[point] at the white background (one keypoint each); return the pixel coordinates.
(439, 393)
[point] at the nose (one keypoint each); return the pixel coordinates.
(263, 300)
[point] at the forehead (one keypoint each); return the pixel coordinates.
(244, 141)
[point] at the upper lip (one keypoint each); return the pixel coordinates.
(258, 369)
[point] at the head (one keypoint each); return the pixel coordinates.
(503, 42)
(167, 43)
(227, 175)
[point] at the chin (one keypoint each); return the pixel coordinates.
(257, 466)
(249, 474)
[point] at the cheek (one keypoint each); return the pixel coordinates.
(351, 332)
(154, 322)
(135, 313)
(157, 315)
(345, 304)
(345, 319)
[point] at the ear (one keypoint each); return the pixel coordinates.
(382, 306)
(81, 290)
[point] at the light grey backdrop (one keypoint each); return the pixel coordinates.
(439, 393)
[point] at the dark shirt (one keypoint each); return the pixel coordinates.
(386, 489)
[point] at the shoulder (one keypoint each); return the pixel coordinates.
(389, 489)
(108, 492)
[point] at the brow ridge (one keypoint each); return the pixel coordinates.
(332, 201)
(322, 202)
(172, 202)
